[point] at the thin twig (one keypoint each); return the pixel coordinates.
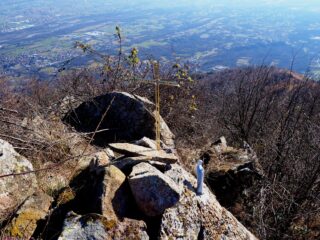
(15, 124)
(19, 139)
(42, 169)
(8, 110)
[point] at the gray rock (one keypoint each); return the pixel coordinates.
(220, 145)
(94, 161)
(58, 178)
(153, 191)
(14, 189)
(136, 150)
(128, 119)
(109, 152)
(35, 208)
(167, 136)
(114, 197)
(197, 217)
(230, 172)
(97, 227)
(129, 162)
(147, 142)
(68, 103)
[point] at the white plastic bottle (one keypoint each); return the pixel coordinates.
(200, 177)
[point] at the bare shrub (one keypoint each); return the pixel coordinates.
(277, 112)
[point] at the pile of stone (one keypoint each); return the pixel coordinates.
(126, 190)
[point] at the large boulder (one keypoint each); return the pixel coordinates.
(14, 189)
(230, 171)
(95, 226)
(126, 119)
(25, 220)
(153, 191)
(198, 217)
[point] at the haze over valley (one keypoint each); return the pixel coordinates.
(37, 37)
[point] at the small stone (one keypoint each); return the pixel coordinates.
(147, 142)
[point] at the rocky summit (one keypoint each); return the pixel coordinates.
(120, 190)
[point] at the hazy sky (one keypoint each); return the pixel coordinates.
(227, 2)
(301, 4)
(99, 5)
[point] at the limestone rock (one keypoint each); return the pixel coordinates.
(94, 226)
(147, 142)
(114, 195)
(136, 150)
(68, 103)
(230, 171)
(35, 208)
(153, 191)
(220, 145)
(166, 135)
(98, 188)
(128, 162)
(93, 161)
(58, 178)
(55, 180)
(14, 189)
(127, 119)
(198, 217)
(109, 152)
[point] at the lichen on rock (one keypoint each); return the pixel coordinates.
(14, 189)
(35, 208)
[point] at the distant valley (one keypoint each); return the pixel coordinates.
(37, 37)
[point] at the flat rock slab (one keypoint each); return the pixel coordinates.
(132, 161)
(153, 191)
(147, 142)
(135, 150)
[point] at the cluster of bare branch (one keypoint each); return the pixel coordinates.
(278, 113)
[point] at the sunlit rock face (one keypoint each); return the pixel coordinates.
(198, 216)
(14, 189)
